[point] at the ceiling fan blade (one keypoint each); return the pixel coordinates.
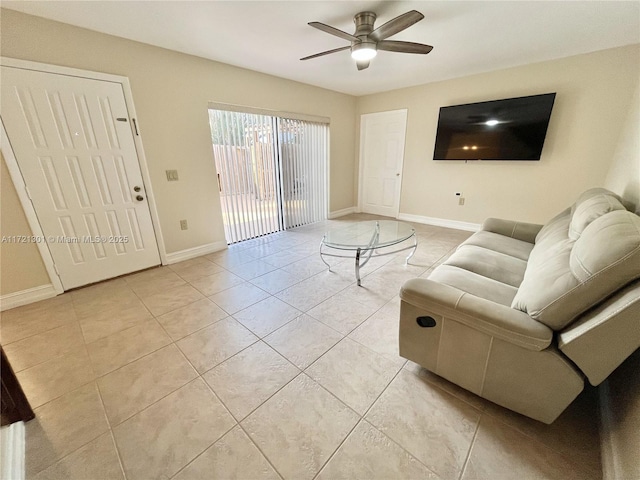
(362, 64)
(404, 47)
(334, 31)
(396, 25)
(326, 53)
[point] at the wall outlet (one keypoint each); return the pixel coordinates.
(172, 175)
(461, 201)
(183, 225)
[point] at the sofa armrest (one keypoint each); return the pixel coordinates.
(605, 336)
(492, 318)
(520, 231)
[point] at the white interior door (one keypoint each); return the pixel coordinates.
(74, 146)
(382, 138)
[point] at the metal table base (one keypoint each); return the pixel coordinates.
(367, 252)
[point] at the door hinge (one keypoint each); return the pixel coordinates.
(135, 126)
(26, 189)
(55, 267)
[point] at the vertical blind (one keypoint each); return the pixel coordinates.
(272, 172)
(303, 154)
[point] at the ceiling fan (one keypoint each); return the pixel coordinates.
(366, 41)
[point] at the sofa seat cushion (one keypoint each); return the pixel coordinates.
(474, 284)
(500, 243)
(524, 231)
(567, 278)
(489, 263)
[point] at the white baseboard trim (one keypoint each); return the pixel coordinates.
(12, 448)
(342, 213)
(440, 222)
(25, 297)
(194, 252)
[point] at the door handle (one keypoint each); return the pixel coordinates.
(139, 198)
(136, 188)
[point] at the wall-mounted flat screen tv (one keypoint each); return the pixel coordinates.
(509, 129)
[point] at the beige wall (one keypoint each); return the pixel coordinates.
(171, 92)
(624, 174)
(21, 266)
(593, 96)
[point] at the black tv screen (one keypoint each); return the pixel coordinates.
(510, 129)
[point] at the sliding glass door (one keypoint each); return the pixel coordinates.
(272, 172)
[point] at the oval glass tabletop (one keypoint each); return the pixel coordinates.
(368, 235)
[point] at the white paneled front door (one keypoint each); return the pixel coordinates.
(73, 143)
(382, 138)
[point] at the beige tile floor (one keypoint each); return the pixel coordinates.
(258, 363)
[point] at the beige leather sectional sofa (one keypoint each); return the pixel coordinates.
(524, 314)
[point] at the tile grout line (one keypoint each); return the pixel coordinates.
(209, 446)
(113, 437)
(42, 333)
(333, 454)
(258, 447)
(362, 418)
(238, 422)
(157, 400)
(471, 445)
(39, 333)
(270, 396)
(94, 378)
(104, 410)
(532, 438)
(118, 454)
(249, 414)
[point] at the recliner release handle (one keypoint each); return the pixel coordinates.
(426, 322)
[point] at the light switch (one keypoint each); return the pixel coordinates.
(172, 175)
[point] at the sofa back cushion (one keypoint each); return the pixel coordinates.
(571, 222)
(593, 192)
(589, 209)
(566, 277)
(554, 230)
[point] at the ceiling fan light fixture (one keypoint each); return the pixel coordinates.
(367, 40)
(363, 51)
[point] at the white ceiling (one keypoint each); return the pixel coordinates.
(271, 36)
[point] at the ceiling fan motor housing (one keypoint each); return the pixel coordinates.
(365, 49)
(364, 24)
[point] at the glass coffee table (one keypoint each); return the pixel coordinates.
(366, 239)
